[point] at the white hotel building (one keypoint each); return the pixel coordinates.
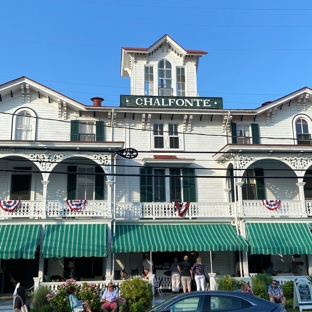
(243, 177)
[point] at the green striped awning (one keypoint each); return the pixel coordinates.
(19, 241)
(76, 240)
(279, 238)
(199, 237)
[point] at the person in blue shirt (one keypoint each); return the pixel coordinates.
(270, 270)
(76, 304)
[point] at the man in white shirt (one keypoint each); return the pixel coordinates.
(147, 263)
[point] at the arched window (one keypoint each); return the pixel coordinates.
(302, 131)
(24, 125)
(164, 78)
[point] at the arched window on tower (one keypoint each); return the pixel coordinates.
(164, 78)
(24, 125)
(302, 131)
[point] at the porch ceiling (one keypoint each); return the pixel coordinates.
(279, 238)
(199, 237)
(77, 240)
(19, 241)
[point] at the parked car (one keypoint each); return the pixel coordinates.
(203, 301)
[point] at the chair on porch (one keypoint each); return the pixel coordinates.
(158, 288)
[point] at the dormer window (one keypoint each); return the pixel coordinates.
(149, 80)
(165, 78)
(180, 81)
(302, 131)
(24, 125)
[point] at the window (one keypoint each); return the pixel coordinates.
(180, 81)
(302, 131)
(253, 187)
(227, 303)
(164, 78)
(179, 184)
(24, 125)
(87, 130)
(149, 80)
(166, 136)
(243, 134)
(308, 185)
(85, 183)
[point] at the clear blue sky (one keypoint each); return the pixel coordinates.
(257, 50)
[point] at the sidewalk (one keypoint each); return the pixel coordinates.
(6, 303)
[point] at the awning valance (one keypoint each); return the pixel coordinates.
(279, 238)
(76, 240)
(19, 241)
(199, 237)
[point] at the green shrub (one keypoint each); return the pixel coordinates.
(260, 284)
(288, 290)
(227, 283)
(39, 297)
(45, 308)
(136, 292)
(137, 307)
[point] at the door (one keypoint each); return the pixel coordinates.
(20, 186)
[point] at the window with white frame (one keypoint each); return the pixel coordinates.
(87, 131)
(170, 184)
(302, 131)
(164, 78)
(24, 125)
(149, 80)
(243, 134)
(180, 81)
(166, 136)
(85, 183)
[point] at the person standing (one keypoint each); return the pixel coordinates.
(147, 263)
(186, 276)
(175, 276)
(198, 269)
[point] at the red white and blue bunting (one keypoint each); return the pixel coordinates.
(181, 208)
(76, 204)
(9, 205)
(271, 204)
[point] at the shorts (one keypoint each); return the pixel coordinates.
(277, 300)
(186, 281)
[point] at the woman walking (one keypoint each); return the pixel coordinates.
(198, 269)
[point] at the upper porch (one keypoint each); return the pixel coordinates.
(152, 210)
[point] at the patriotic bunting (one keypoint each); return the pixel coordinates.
(76, 204)
(9, 205)
(181, 208)
(271, 204)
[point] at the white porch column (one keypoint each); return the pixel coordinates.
(309, 264)
(240, 197)
(44, 198)
(301, 185)
(36, 283)
(109, 196)
(212, 281)
(244, 253)
(109, 268)
(41, 260)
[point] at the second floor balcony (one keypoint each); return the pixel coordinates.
(55, 209)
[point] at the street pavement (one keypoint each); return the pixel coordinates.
(6, 303)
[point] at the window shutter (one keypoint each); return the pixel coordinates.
(146, 184)
(234, 133)
(189, 185)
(255, 133)
(99, 183)
(99, 131)
(260, 183)
(71, 182)
(74, 130)
(231, 173)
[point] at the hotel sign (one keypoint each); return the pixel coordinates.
(170, 102)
